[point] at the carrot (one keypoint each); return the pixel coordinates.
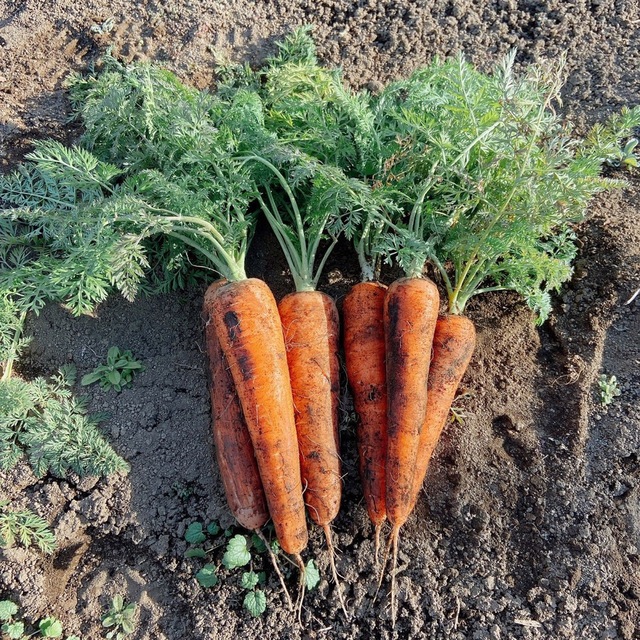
(247, 324)
(410, 315)
(233, 446)
(311, 329)
(234, 449)
(364, 349)
(453, 344)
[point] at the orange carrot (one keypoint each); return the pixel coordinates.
(364, 349)
(410, 315)
(248, 326)
(311, 330)
(234, 449)
(233, 446)
(453, 344)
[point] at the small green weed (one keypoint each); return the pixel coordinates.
(626, 156)
(239, 551)
(42, 421)
(121, 617)
(609, 389)
(16, 629)
(117, 373)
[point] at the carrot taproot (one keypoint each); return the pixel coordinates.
(247, 323)
(311, 331)
(453, 344)
(364, 350)
(233, 446)
(410, 314)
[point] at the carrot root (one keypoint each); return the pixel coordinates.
(410, 315)
(332, 554)
(311, 333)
(394, 563)
(364, 348)
(250, 333)
(301, 585)
(276, 566)
(376, 551)
(453, 344)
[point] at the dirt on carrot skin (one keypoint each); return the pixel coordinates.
(528, 526)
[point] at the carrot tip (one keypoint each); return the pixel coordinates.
(301, 586)
(276, 566)
(332, 553)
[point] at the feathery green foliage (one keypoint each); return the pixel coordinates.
(491, 177)
(26, 527)
(44, 422)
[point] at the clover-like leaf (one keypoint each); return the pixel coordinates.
(50, 628)
(8, 609)
(207, 576)
(249, 580)
(237, 553)
(194, 533)
(14, 630)
(255, 602)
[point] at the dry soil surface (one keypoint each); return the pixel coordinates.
(529, 522)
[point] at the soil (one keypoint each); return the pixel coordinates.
(529, 522)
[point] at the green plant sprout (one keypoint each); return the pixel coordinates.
(117, 373)
(121, 616)
(239, 551)
(609, 389)
(16, 629)
(42, 421)
(26, 527)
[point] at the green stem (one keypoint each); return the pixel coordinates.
(8, 365)
(230, 270)
(445, 276)
(323, 262)
(301, 267)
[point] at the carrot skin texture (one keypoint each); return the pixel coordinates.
(312, 332)
(410, 314)
(233, 446)
(248, 326)
(453, 344)
(364, 347)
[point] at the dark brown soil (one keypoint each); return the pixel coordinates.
(529, 522)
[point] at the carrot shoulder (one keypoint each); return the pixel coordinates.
(248, 326)
(453, 344)
(410, 315)
(364, 349)
(234, 449)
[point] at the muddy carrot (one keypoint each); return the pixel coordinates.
(364, 348)
(248, 326)
(453, 344)
(410, 314)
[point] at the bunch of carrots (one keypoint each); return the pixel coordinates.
(275, 387)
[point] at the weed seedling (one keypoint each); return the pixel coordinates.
(239, 551)
(118, 371)
(121, 617)
(609, 389)
(16, 629)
